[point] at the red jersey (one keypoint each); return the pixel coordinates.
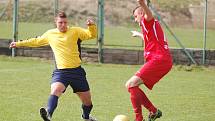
(155, 42)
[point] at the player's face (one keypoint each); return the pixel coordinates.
(61, 24)
(138, 14)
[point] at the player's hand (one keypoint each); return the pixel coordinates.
(90, 22)
(12, 45)
(136, 34)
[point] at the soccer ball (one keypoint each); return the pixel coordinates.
(121, 118)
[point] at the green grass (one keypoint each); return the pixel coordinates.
(26, 30)
(185, 94)
(117, 37)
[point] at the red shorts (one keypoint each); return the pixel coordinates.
(153, 70)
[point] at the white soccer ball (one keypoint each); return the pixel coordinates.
(121, 118)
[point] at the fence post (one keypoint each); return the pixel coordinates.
(100, 36)
(15, 24)
(205, 32)
(56, 6)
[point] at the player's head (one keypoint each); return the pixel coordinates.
(138, 13)
(61, 21)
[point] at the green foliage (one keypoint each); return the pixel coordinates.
(181, 95)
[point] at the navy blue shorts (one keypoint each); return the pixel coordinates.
(75, 77)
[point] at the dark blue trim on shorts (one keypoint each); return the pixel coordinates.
(79, 48)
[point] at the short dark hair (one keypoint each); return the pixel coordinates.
(136, 8)
(61, 14)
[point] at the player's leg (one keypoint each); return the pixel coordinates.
(86, 105)
(57, 89)
(135, 97)
(58, 86)
(133, 84)
(150, 74)
(80, 86)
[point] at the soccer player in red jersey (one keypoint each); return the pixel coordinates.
(158, 62)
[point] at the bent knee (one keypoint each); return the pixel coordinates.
(57, 89)
(133, 82)
(56, 92)
(130, 84)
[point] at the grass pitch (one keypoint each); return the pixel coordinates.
(185, 94)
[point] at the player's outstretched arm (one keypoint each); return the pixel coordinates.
(137, 34)
(33, 42)
(90, 33)
(12, 45)
(148, 14)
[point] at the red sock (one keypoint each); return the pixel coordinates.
(136, 103)
(144, 100)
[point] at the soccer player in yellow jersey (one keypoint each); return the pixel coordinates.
(65, 44)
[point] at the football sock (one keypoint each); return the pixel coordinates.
(145, 101)
(86, 111)
(52, 104)
(136, 103)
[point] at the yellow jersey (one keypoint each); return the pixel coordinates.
(65, 46)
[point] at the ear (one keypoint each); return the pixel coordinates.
(55, 22)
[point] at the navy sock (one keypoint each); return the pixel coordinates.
(86, 111)
(52, 104)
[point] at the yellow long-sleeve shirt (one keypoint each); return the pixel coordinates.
(65, 46)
